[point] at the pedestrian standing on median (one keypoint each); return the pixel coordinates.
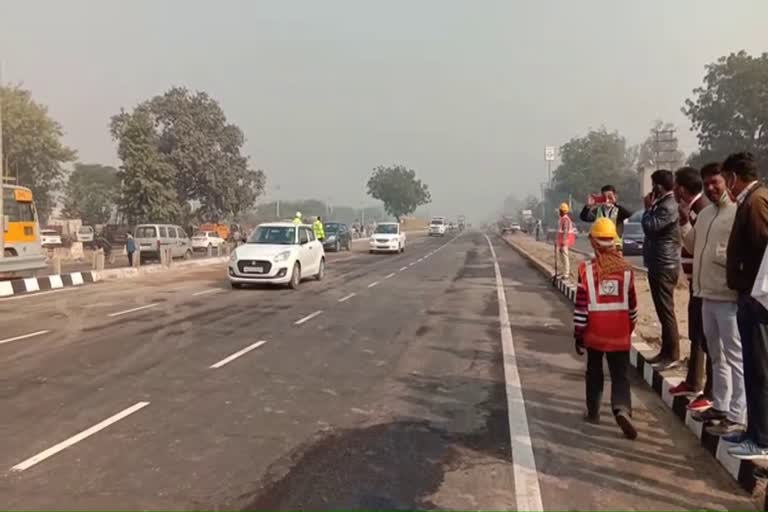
(604, 317)
(564, 240)
(691, 200)
(707, 240)
(319, 229)
(746, 246)
(661, 255)
(607, 208)
(130, 248)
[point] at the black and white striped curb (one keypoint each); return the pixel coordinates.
(640, 353)
(40, 284)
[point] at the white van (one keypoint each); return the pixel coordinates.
(151, 237)
(85, 234)
(437, 226)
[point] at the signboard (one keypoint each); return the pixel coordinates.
(526, 214)
(549, 153)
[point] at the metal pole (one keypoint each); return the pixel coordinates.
(2, 175)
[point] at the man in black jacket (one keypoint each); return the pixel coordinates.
(661, 255)
(608, 208)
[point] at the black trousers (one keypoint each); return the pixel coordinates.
(130, 258)
(618, 365)
(662, 283)
(699, 375)
(752, 319)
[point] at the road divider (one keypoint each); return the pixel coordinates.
(237, 354)
(23, 337)
(50, 452)
(132, 310)
(47, 283)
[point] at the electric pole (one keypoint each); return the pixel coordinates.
(665, 149)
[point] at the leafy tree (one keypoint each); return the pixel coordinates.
(399, 189)
(729, 111)
(192, 136)
(91, 193)
(32, 149)
(148, 191)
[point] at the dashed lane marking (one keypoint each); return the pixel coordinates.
(308, 317)
(132, 310)
(206, 292)
(237, 354)
(50, 452)
(375, 283)
(388, 276)
(24, 336)
(346, 298)
(403, 269)
(527, 490)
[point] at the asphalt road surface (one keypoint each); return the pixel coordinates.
(393, 384)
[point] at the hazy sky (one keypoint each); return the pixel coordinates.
(468, 93)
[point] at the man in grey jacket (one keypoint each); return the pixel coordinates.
(661, 254)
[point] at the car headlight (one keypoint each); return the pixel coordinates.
(281, 256)
(233, 257)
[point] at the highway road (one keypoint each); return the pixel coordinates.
(441, 378)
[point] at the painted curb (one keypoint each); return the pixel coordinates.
(47, 283)
(741, 471)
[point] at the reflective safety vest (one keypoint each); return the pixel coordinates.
(565, 234)
(614, 216)
(297, 220)
(317, 227)
(609, 328)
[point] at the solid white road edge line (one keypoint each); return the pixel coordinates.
(24, 336)
(388, 276)
(206, 292)
(308, 317)
(527, 490)
(50, 452)
(132, 310)
(345, 299)
(237, 354)
(375, 283)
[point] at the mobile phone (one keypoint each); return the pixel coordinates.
(598, 198)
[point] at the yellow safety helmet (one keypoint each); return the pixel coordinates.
(564, 207)
(603, 228)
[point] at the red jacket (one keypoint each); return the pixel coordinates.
(606, 310)
(565, 235)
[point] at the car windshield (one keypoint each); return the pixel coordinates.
(200, 234)
(331, 227)
(84, 230)
(386, 229)
(146, 232)
(273, 235)
(437, 222)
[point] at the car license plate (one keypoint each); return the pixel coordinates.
(254, 270)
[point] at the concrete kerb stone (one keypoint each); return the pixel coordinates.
(640, 353)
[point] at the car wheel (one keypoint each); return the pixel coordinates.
(402, 248)
(337, 248)
(295, 277)
(188, 255)
(371, 251)
(210, 246)
(321, 271)
(237, 286)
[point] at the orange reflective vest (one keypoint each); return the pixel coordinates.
(565, 235)
(609, 328)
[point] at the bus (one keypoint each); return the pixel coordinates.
(21, 232)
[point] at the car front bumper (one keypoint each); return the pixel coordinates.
(393, 246)
(278, 274)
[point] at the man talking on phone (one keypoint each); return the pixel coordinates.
(605, 205)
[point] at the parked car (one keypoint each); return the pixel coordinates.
(150, 238)
(277, 253)
(634, 237)
(337, 237)
(205, 239)
(388, 237)
(50, 238)
(85, 234)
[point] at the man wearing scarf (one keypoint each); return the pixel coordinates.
(604, 318)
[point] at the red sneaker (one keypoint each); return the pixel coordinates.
(682, 389)
(699, 404)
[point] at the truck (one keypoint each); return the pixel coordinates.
(462, 221)
(220, 229)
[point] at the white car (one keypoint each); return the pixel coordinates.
(277, 253)
(50, 238)
(387, 237)
(204, 239)
(437, 226)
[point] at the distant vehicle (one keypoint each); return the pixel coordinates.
(634, 237)
(222, 230)
(85, 234)
(437, 226)
(116, 234)
(462, 220)
(388, 237)
(50, 238)
(21, 233)
(150, 238)
(337, 237)
(277, 253)
(202, 240)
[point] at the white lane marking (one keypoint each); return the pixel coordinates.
(24, 336)
(31, 284)
(50, 452)
(411, 263)
(527, 490)
(308, 317)
(132, 310)
(375, 283)
(206, 292)
(345, 299)
(403, 269)
(38, 294)
(237, 354)
(419, 260)
(389, 275)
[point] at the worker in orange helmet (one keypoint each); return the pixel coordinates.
(604, 318)
(564, 241)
